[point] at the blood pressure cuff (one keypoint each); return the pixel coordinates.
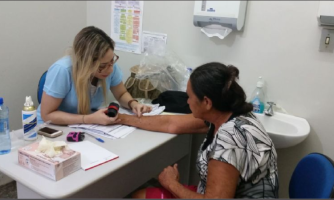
(174, 101)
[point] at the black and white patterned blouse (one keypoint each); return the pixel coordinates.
(243, 143)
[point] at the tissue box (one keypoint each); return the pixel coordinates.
(54, 168)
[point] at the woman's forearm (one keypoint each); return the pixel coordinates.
(63, 118)
(124, 99)
(177, 124)
(159, 123)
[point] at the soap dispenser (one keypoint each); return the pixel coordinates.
(257, 98)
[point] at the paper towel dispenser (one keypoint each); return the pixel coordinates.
(229, 14)
(326, 13)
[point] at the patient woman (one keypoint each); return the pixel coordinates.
(76, 85)
(236, 160)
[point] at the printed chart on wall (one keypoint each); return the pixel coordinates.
(126, 25)
(151, 38)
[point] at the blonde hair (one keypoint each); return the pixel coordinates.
(89, 47)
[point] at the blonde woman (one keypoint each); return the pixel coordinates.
(76, 85)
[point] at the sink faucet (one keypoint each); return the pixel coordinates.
(270, 110)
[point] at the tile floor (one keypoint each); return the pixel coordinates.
(8, 190)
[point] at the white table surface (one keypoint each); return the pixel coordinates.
(142, 155)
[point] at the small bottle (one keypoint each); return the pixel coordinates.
(29, 120)
(5, 142)
(189, 71)
(185, 81)
(258, 97)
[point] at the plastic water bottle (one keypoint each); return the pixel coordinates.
(185, 81)
(189, 71)
(5, 142)
(258, 97)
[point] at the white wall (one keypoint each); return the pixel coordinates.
(280, 42)
(33, 35)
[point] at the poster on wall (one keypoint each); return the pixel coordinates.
(152, 37)
(126, 25)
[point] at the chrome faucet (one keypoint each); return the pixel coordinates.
(270, 110)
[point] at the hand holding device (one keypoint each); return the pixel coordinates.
(101, 117)
(112, 109)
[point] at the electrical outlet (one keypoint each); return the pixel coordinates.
(327, 40)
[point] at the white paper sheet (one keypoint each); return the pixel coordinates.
(116, 131)
(152, 38)
(110, 131)
(156, 110)
(126, 25)
(92, 155)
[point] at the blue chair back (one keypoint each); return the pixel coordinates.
(40, 87)
(313, 177)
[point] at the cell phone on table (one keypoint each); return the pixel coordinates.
(49, 132)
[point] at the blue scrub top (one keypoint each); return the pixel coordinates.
(59, 84)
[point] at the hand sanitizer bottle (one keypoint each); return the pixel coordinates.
(29, 120)
(257, 98)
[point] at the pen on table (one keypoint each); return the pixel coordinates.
(98, 139)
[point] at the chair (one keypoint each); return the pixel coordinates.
(40, 87)
(313, 177)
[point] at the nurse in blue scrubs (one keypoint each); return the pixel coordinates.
(77, 85)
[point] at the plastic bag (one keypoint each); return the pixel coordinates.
(163, 68)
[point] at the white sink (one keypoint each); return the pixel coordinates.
(285, 130)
